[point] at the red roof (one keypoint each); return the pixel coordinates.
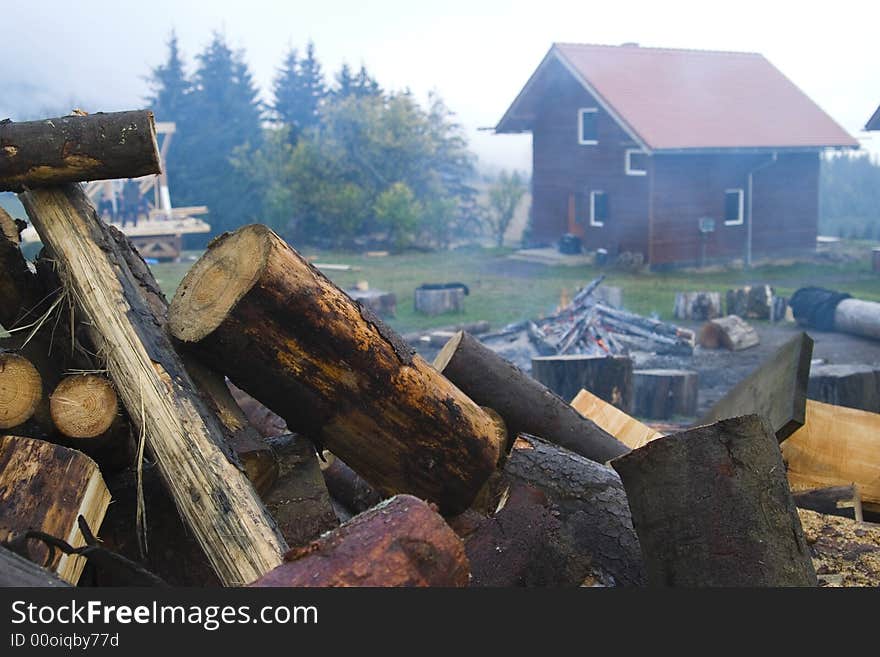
(694, 99)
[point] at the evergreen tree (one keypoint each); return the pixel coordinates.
(299, 90)
(365, 85)
(169, 86)
(344, 83)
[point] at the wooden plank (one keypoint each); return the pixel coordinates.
(777, 390)
(837, 446)
(625, 428)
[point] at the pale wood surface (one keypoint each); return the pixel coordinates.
(625, 428)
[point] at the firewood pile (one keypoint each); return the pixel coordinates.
(265, 429)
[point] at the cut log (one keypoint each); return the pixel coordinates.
(288, 336)
(8, 228)
(556, 519)
(17, 571)
(751, 302)
(730, 332)
(698, 306)
(607, 377)
(625, 428)
(45, 487)
(855, 386)
(84, 406)
(19, 290)
(215, 498)
(267, 423)
(711, 507)
(525, 405)
(77, 148)
(299, 500)
(21, 390)
(349, 488)
(777, 390)
(842, 501)
(401, 542)
(858, 317)
(845, 552)
(837, 446)
(439, 301)
(662, 394)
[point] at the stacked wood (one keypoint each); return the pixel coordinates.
(751, 302)
(281, 331)
(439, 300)
(776, 391)
(855, 386)
(231, 524)
(625, 428)
(45, 487)
(555, 519)
(843, 501)
(401, 542)
(698, 306)
(17, 571)
(299, 501)
(608, 377)
(526, 405)
(21, 389)
(743, 531)
(383, 304)
(845, 552)
(837, 446)
(662, 394)
(731, 332)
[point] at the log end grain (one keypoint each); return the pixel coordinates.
(21, 390)
(84, 406)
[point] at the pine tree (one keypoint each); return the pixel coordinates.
(344, 82)
(170, 86)
(365, 85)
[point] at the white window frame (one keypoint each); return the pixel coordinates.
(741, 192)
(628, 163)
(581, 112)
(593, 221)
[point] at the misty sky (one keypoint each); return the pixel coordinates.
(477, 54)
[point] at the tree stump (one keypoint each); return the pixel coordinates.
(384, 304)
(730, 332)
(607, 377)
(698, 306)
(662, 394)
(430, 301)
(855, 386)
(751, 302)
(712, 507)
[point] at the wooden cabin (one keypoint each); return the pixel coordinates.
(679, 155)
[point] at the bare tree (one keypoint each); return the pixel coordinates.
(505, 195)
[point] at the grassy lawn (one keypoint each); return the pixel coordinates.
(503, 290)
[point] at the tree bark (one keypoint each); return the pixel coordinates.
(45, 487)
(712, 507)
(777, 390)
(662, 394)
(525, 405)
(286, 335)
(77, 148)
(730, 332)
(751, 302)
(556, 519)
(401, 542)
(215, 498)
(608, 377)
(855, 386)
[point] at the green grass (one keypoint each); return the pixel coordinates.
(503, 291)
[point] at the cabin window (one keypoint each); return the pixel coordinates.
(636, 162)
(733, 207)
(587, 133)
(598, 208)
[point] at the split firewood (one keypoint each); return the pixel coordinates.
(729, 332)
(21, 390)
(46, 487)
(837, 446)
(777, 390)
(712, 507)
(17, 571)
(281, 331)
(349, 488)
(298, 500)
(555, 519)
(625, 428)
(526, 405)
(608, 377)
(662, 394)
(74, 148)
(842, 501)
(845, 552)
(231, 524)
(401, 542)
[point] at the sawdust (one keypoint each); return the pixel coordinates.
(845, 552)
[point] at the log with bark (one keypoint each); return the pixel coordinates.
(712, 507)
(401, 542)
(777, 390)
(525, 405)
(845, 501)
(349, 488)
(855, 386)
(608, 377)
(662, 394)
(46, 487)
(698, 306)
(285, 334)
(75, 148)
(625, 428)
(731, 332)
(555, 519)
(213, 495)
